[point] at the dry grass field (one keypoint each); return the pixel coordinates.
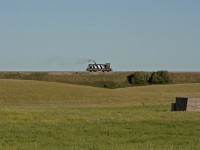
(40, 92)
(49, 115)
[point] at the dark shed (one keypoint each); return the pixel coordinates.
(186, 104)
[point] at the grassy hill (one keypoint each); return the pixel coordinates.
(39, 92)
(97, 79)
(49, 115)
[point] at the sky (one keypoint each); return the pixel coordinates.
(132, 35)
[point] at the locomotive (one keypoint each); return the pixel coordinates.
(99, 67)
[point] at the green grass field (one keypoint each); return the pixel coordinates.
(47, 115)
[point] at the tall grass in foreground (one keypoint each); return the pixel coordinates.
(142, 128)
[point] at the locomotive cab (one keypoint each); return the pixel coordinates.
(107, 66)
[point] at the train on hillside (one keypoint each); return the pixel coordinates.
(99, 67)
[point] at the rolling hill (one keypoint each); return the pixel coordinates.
(69, 95)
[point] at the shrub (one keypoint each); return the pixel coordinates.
(105, 84)
(139, 78)
(160, 77)
(13, 75)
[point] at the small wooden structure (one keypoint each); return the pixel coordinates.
(186, 104)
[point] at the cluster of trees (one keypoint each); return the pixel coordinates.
(143, 78)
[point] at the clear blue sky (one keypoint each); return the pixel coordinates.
(148, 35)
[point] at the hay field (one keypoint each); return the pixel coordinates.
(47, 115)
